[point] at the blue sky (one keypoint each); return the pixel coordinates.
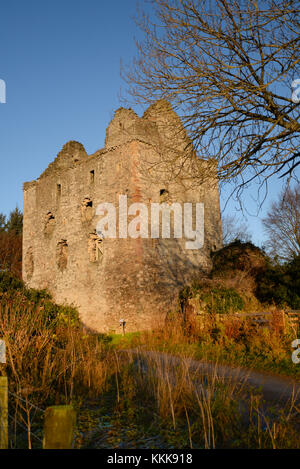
(61, 64)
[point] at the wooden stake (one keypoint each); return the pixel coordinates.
(3, 412)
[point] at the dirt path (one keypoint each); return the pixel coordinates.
(275, 388)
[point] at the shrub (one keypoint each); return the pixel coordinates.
(280, 284)
(10, 283)
(271, 284)
(245, 257)
(222, 300)
(13, 291)
(214, 298)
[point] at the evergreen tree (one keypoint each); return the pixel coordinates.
(15, 222)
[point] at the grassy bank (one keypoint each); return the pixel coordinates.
(126, 400)
(227, 340)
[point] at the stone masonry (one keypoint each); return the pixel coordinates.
(111, 279)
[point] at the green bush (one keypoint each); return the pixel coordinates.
(9, 283)
(274, 284)
(238, 256)
(222, 300)
(280, 284)
(14, 289)
(216, 299)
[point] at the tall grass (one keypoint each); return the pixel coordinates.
(228, 339)
(48, 362)
(194, 407)
(156, 398)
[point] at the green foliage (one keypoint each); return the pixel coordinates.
(13, 288)
(222, 300)
(274, 284)
(9, 283)
(215, 299)
(59, 314)
(280, 284)
(184, 294)
(15, 222)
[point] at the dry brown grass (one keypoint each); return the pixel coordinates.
(48, 363)
(209, 409)
(56, 362)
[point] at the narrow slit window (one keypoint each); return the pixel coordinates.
(58, 190)
(164, 195)
(87, 211)
(92, 177)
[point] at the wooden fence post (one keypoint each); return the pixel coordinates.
(3, 412)
(59, 426)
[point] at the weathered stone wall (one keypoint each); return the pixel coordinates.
(112, 279)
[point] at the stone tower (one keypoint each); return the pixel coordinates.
(132, 278)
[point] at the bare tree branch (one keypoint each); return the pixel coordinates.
(227, 67)
(282, 225)
(233, 229)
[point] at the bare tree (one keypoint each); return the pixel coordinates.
(234, 229)
(11, 252)
(282, 225)
(227, 68)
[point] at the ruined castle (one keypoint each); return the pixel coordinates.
(132, 278)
